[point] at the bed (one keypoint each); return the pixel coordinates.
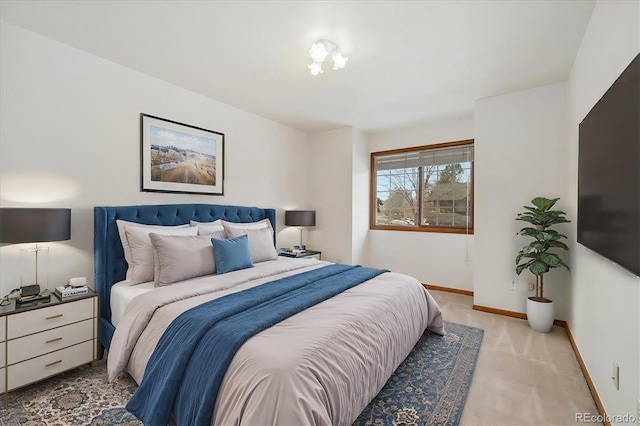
(321, 365)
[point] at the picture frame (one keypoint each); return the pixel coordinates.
(180, 158)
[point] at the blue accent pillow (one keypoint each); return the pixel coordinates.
(231, 254)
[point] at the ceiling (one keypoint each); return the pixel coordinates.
(409, 61)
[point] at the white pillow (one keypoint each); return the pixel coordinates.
(260, 242)
(121, 224)
(179, 257)
(208, 228)
(142, 265)
(264, 223)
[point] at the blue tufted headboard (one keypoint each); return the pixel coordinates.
(109, 262)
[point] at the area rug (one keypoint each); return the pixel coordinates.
(429, 388)
(432, 383)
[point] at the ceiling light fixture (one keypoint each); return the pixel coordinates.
(319, 52)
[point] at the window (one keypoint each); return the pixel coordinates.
(426, 188)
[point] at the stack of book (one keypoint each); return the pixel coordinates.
(64, 291)
(292, 252)
(43, 296)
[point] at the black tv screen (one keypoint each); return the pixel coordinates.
(609, 173)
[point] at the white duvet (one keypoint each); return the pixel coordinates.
(321, 366)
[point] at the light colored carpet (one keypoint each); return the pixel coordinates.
(522, 377)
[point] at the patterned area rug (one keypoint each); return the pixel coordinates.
(429, 388)
(76, 397)
(432, 383)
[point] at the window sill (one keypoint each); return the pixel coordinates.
(438, 229)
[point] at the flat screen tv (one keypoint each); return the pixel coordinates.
(609, 173)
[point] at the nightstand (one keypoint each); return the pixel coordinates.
(41, 339)
(307, 253)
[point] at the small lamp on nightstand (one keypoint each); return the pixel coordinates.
(300, 218)
(34, 225)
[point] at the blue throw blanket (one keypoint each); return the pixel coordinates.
(175, 376)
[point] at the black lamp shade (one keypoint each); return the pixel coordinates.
(29, 225)
(300, 218)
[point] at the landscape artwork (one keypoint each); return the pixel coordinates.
(177, 157)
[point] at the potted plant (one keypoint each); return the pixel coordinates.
(537, 258)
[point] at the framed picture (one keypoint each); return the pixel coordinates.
(177, 157)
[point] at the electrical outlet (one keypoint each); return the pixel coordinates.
(531, 287)
(615, 375)
(513, 286)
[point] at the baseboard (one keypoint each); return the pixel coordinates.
(519, 315)
(448, 289)
(574, 346)
(496, 311)
(585, 373)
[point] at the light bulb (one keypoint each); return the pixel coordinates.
(339, 61)
(316, 68)
(318, 52)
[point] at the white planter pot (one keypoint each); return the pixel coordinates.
(540, 315)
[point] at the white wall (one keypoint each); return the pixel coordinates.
(520, 152)
(433, 258)
(360, 199)
(330, 173)
(339, 176)
(70, 137)
(605, 298)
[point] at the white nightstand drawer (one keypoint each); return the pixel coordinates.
(50, 364)
(48, 341)
(3, 329)
(58, 315)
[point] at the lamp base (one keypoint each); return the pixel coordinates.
(300, 247)
(38, 257)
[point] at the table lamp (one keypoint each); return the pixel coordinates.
(34, 225)
(300, 218)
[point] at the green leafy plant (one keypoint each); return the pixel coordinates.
(536, 256)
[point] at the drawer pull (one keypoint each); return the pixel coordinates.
(54, 317)
(53, 363)
(54, 340)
